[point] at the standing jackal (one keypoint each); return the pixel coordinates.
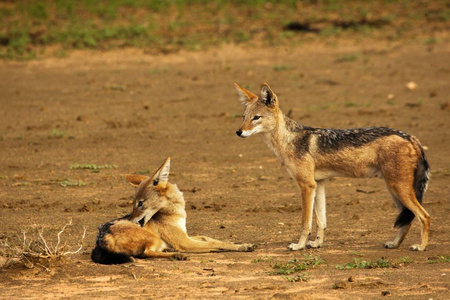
(311, 155)
(157, 223)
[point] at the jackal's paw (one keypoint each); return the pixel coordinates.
(313, 244)
(417, 248)
(390, 245)
(247, 247)
(179, 256)
(295, 247)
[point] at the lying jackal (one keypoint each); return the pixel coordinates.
(157, 223)
(311, 155)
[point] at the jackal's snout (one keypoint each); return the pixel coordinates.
(239, 133)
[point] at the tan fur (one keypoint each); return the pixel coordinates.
(159, 207)
(391, 157)
(129, 238)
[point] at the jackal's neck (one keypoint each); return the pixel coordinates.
(176, 203)
(281, 135)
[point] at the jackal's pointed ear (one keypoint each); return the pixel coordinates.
(135, 180)
(268, 97)
(162, 175)
(245, 95)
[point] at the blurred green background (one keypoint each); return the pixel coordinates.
(31, 29)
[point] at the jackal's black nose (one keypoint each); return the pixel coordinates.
(239, 132)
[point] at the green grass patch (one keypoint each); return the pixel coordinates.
(57, 134)
(28, 27)
(93, 167)
(379, 263)
(280, 68)
(351, 104)
(69, 182)
(294, 269)
(143, 172)
(348, 57)
(296, 265)
(319, 107)
(438, 259)
(430, 41)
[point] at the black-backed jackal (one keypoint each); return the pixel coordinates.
(311, 155)
(157, 223)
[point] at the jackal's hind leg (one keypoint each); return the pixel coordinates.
(399, 238)
(159, 254)
(320, 216)
(204, 238)
(404, 197)
(152, 248)
(200, 244)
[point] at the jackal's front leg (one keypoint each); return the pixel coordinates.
(308, 194)
(319, 215)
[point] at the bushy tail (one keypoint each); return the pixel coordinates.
(103, 256)
(421, 178)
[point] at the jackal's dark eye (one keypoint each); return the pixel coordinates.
(256, 118)
(140, 203)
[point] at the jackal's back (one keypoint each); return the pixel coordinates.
(101, 253)
(330, 139)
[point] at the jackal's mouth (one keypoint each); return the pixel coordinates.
(144, 217)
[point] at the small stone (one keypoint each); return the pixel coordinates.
(411, 86)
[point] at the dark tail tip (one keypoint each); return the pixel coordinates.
(404, 218)
(102, 256)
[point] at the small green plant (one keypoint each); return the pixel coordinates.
(357, 253)
(379, 263)
(319, 107)
(439, 258)
(390, 102)
(296, 266)
(292, 270)
(405, 260)
(57, 134)
(348, 57)
(280, 68)
(69, 182)
(351, 104)
(262, 259)
(158, 71)
(93, 167)
(430, 41)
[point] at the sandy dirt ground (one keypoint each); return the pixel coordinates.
(130, 111)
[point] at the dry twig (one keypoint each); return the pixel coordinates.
(33, 247)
